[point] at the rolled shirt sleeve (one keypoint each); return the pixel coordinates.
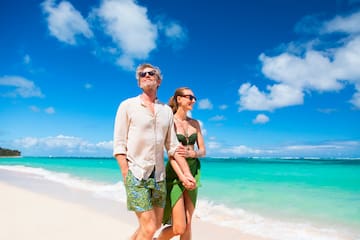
(171, 139)
(121, 127)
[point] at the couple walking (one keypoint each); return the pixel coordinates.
(143, 128)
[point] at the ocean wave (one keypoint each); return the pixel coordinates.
(255, 224)
(110, 191)
(206, 210)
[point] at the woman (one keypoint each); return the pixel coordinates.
(181, 201)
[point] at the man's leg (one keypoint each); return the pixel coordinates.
(147, 225)
(159, 213)
(147, 198)
(158, 201)
(139, 200)
(133, 237)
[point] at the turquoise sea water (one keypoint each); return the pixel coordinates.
(270, 197)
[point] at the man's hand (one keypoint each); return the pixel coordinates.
(182, 151)
(123, 164)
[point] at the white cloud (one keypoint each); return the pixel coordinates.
(34, 109)
(88, 86)
(27, 59)
(23, 87)
(313, 71)
(240, 150)
(134, 36)
(175, 33)
(217, 118)
(202, 127)
(50, 110)
(105, 145)
(327, 110)
(223, 107)
(213, 145)
(312, 147)
(314, 66)
(261, 119)
(347, 61)
(205, 104)
(130, 29)
(65, 22)
(347, 24)
(62, 145)
(280, 95)
(126, 62)
(355, 100)
(331, 149)
(27, 142)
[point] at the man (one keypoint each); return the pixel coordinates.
(143, 127)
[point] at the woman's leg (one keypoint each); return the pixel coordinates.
(178, 226)
(189, 210)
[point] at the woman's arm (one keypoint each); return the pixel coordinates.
(183, 172)
(201, 150)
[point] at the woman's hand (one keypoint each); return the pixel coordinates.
(188, 182)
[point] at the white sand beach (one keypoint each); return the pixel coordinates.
(42, 210)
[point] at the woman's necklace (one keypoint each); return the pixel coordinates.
(184, 129)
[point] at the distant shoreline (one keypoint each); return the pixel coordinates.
(210, 158)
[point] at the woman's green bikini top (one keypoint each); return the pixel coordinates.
(187, 141)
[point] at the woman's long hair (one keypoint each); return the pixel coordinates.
(173, 100)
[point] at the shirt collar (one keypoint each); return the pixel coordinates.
(142, 102)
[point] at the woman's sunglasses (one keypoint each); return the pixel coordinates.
(190, 97)
(151, 73)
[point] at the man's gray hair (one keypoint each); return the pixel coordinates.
(148, 65)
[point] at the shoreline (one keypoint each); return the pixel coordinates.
(40, 209)
(11, 156)
(96, 184)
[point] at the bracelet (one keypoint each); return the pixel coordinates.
(199, 153)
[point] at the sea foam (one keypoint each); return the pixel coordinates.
(206, 210)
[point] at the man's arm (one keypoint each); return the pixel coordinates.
(120, 139)
(123, 164)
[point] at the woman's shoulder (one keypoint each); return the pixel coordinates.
(193, 122)
(192, 119)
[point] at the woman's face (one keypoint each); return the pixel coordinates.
(186, 100)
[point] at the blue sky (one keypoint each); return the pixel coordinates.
(272, 78)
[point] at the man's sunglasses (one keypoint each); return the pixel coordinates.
(151, 73)
(190, 97)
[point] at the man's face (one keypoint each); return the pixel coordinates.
(149, 79)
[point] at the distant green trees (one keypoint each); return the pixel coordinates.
(9, 152)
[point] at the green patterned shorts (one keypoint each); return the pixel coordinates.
(143, 195)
